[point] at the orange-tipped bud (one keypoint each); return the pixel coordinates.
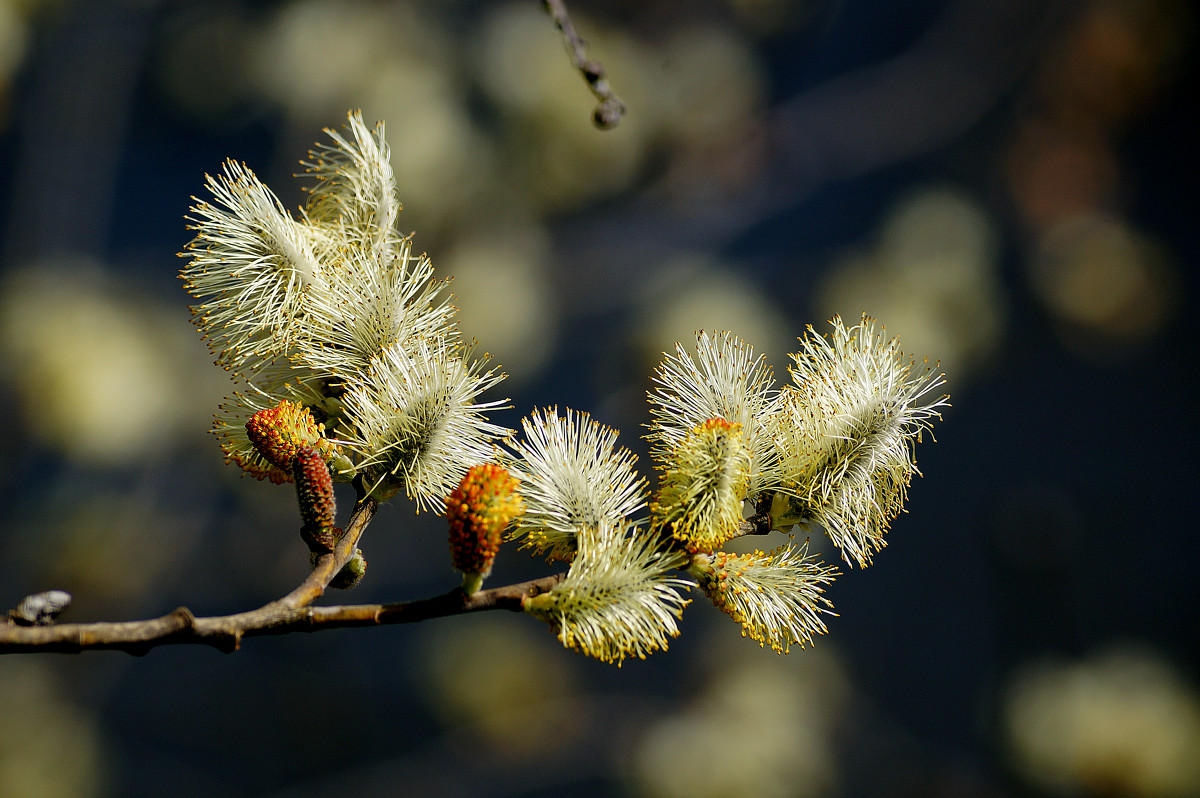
(314, 490)
(478, 510)
(278, 433)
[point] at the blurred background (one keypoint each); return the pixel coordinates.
(1009, 186)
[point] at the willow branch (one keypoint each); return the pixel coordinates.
(226, 632)
(291, 613)
(328, 565)
(138, 636)
(609, 109)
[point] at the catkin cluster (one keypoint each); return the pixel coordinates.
(344, 353)
(735, 455)
(332, 312)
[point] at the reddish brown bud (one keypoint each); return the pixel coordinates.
(314, 490)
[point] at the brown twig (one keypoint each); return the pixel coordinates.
(328, 565)
(291, 613)
(226, 632)
(609, 110)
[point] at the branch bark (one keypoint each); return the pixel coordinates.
(291, 613)
(226, 632)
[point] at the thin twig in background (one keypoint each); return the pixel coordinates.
(609, 111)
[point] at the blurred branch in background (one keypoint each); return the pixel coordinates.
(610, 110)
